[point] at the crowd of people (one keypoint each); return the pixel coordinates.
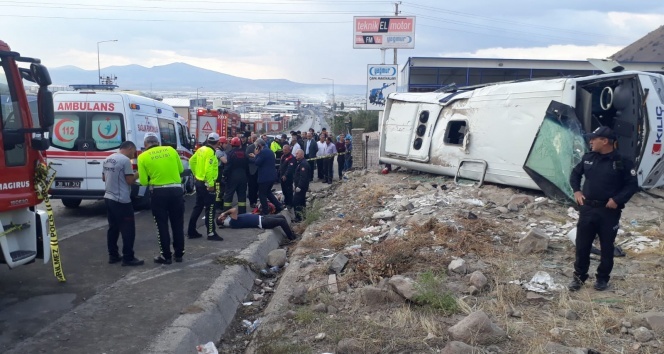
(227, 173)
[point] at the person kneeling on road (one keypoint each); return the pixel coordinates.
(231, 218)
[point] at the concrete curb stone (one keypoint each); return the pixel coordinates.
(215, 308)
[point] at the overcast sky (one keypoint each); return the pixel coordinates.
(305, 40)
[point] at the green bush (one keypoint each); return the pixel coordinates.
(367, 120)
(431, 292)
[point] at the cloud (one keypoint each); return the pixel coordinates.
(627, 21)
(555, 52)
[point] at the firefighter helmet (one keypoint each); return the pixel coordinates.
(235, 141)
(223, 140)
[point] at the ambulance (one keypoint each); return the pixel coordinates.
(90, 124)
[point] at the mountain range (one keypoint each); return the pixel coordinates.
(185, 77)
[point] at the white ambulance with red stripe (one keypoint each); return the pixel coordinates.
(91, 123)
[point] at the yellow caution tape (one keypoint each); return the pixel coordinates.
(13, 227)
(327, 156)
(42, 184)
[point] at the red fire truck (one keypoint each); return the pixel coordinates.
(219, 121)
(24, 230)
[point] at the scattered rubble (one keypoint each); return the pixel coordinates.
(497, 259)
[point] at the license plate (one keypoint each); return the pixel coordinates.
(67, 183)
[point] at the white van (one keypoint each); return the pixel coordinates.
(90, 125)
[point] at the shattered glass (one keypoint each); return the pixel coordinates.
(558, 147)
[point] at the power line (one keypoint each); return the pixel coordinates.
(101, 7)
(173, 20)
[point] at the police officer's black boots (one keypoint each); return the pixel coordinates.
(601, 285)
(575, 285)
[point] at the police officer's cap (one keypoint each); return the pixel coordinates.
(602, 132)
(150, 135)
(213, 137)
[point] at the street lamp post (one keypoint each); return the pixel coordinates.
(333, 102)
(198, 103)
(98, 62)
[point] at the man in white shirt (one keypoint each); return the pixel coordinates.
(321, 152)
(295, 145)
(330, 151)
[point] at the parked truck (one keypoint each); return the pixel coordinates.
(527, 134)
(24, 229)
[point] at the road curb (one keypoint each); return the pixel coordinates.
(209, 316)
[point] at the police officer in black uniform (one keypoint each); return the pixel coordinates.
(235, 172)
(301, 181)
(286, 172)
(610, 182)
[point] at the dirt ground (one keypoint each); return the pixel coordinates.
(403, 290)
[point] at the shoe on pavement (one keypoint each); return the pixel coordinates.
(162, 260)
(215, 237)
(133, 262)
(195, 234)
(178, 259)
(575, 285)
(114, 259)
(601, 285)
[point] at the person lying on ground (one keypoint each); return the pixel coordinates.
(231, 218)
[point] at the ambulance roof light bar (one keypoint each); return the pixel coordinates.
(78, 87)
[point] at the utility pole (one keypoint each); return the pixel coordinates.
(396, 13)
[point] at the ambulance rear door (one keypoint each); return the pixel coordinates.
(105, 131)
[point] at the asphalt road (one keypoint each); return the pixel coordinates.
(104, 308)
(315, 120)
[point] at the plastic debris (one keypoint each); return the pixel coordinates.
(475, 202)
(253, 326)
(542, 282)
(207, 348)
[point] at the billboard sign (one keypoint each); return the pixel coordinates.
(381, 81)
(384, 32)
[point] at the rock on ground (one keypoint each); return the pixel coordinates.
(332, 285)
(535, 241)
(477, 328)
(651, 320)
(338, 263)
(642, 334)
(478, 280)
(403, 286)
(277, 257)
(458, 266)
(372, 295)
(299, 295)
(555, 348)
(455, 347)
(350, 346)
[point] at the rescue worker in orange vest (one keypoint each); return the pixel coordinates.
(204, 165)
